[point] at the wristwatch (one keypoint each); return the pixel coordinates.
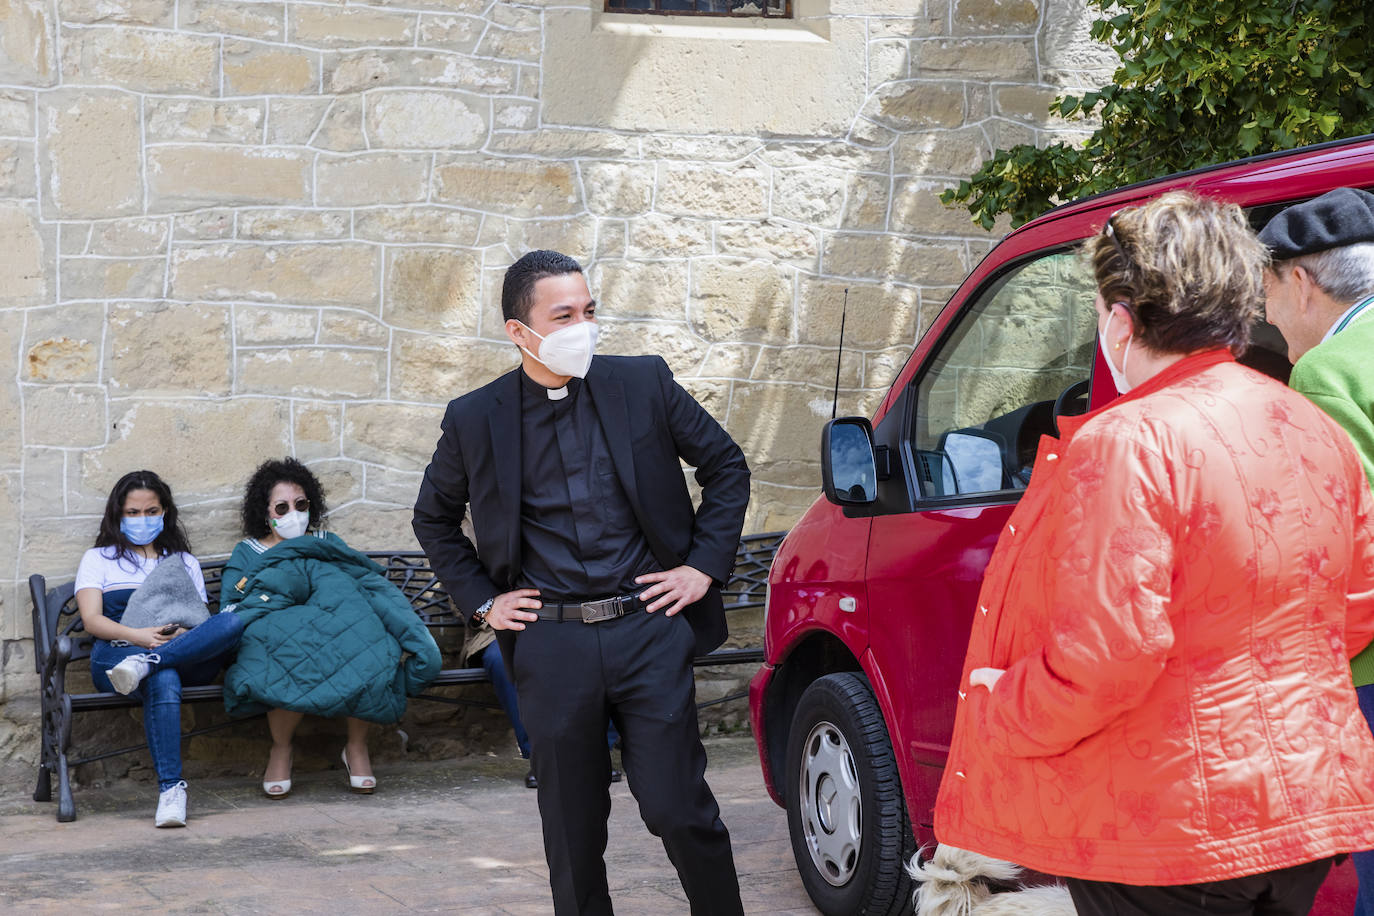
(479, 616)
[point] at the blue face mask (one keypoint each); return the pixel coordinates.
(141, 529)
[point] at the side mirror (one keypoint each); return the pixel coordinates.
(975, 456)
(848, 471)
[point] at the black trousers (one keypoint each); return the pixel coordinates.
(1285, 892)
(637, 670)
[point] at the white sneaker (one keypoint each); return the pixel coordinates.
(128, 674)
(171, 806)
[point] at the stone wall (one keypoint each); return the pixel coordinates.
(234, 229)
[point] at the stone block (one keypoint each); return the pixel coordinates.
(342, 273)
(141, 60)
(880, 368)
(189, 176)
(917, 210)
(16, 113)
(888, 60)
(341, 128)
(11, 409)
(368, 527)
(169, 349)
(371, 178)
(957, 153)
(252, 68)
(341, 480)
(90, 158)
(749, 301)
(830, 152)
(315, 429)
(291, 225)
(975, 59)
(657, 235)
(62, 343)
(916, 105)
(213, 530)
(74, 239)
(611, 238)
(337, 26)
(879, 315)
(397, 488)
(871, 135)
(656, 146)
(515, 187)
(996, 17)
(617, 188)
(514, 114)
(779, 427)
(729, 360)
(16, 169)
(67, 416)
(575, 236)
(231, 17)
(204, 225)
(739, 192)
(639, 289)
(867, 203)
(54, 546)
(209, 446)
(886, 257)
(432, 369)
(558, 143)
(11, 496)
(809, 365)
(130, 238)
(260, 325)
(312, 372)
(427, 120)
(124, 12)
(399, 436)
(28, 43)
(813, 195)
(112, 278)
(27, 269)
(430, 289)
(773, 507)
(683, 350)
(1029, 104)
(196, 120)
(352, 329)
(450, 33)
(416, 224)
(294, 122)
(353, 71)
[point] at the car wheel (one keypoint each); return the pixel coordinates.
(845, 809)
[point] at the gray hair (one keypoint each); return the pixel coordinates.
(1346, 274)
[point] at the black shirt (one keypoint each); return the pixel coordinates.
(580, 539)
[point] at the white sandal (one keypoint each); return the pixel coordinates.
(280, 788)
(359, 784)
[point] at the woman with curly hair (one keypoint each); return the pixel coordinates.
(325, 632)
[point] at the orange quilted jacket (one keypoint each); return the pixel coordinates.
(1175, 600)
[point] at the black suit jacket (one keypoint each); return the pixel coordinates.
(650, 424)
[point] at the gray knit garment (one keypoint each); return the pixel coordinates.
(167, 596)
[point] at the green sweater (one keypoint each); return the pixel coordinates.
(1338, 376)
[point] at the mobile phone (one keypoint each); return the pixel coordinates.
(168, 630)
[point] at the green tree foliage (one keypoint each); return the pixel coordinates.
(1200, 82)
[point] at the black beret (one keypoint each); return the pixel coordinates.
(1341, 217)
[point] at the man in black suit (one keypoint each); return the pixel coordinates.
(601, 580)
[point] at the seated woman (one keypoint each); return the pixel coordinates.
(325, 632)
(139, 532)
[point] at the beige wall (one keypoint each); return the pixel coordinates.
(232, 229)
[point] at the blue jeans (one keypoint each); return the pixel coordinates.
(195, 657)
(1364, 861)
(495, 666)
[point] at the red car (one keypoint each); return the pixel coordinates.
(871, 595)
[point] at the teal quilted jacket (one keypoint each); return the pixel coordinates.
(324, 633)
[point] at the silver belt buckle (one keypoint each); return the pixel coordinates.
(605, 609)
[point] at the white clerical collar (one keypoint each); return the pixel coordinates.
(1346, 317)
(557, 394)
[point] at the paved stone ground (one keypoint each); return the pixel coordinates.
(453, 837)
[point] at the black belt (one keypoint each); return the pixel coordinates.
(590, 611)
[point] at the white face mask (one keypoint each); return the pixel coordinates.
(567, 351)
(291, 525)
(1118, 375)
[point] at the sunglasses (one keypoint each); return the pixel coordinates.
(301, 505)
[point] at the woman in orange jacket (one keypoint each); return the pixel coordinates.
(1156, 701)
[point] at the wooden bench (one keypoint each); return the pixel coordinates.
(60, 639)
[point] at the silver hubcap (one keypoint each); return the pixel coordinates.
(831, 810)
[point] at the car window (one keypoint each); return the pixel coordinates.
(1022, 354)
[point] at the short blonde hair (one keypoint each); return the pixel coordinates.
(1189, 268)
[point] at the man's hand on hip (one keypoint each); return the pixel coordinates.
(507, 611)
(673, 589)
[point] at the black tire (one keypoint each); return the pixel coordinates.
(847, 816)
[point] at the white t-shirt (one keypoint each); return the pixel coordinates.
(101, 568)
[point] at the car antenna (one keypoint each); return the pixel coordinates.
(839, 354)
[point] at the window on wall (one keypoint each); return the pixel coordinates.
(732, 8)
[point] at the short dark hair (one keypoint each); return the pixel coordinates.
(172, 539)
(259, 490)
(517, 290)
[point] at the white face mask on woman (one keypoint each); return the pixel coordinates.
(291, 525)
(567, 351)
(1118, 375)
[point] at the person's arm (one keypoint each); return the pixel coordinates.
(90, 603)
(232, 575)
(1109, 628)
(196, 573)
(437, 522)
